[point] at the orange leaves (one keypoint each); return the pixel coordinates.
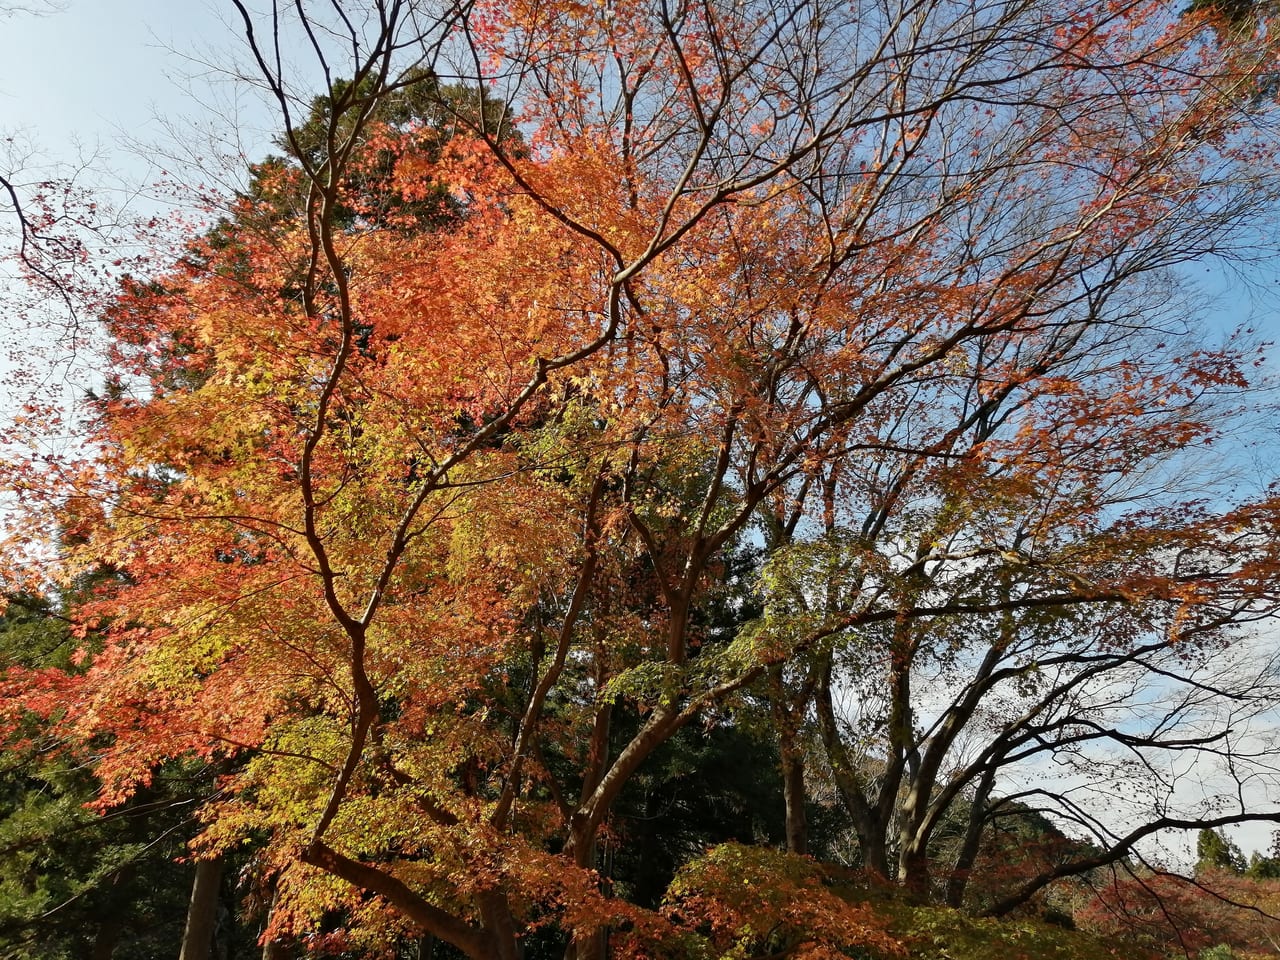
(421, 477)
(758, 901)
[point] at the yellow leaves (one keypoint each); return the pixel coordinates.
(304, 895)
(282, 785)
(389, 485)
(519, 536)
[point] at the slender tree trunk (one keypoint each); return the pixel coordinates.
(202, 914)
(794, 795)
(792, 760)
(107, 936)
(788, 713)
(589, 944)
(958, 881)
(274, 949)
(586, 943)
(868, 818)
(278, 949)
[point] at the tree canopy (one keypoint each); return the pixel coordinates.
(592, 389)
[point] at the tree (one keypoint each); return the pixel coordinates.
(1214, 851)
(1109, 710)
(75, 884)
(1217, 910)
(416, 520)
(39, 7)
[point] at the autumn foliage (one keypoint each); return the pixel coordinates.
(422, 471)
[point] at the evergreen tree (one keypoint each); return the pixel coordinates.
(1215, 851)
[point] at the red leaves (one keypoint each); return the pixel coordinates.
(1176, 913)
(413, 472)
(759, 902)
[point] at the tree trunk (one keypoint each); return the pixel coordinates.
(913, 872)
(495, 914)
(793, 795)
(913, 841)
(875, 851)
(108, 936)
(868, 820)
(202, 914)
(958, 881)
(588, 945)
(273, 949)
(787, 711)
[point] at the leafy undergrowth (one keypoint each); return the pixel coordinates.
(940, 933)
(741, 901)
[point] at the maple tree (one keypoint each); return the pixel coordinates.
(428, 469)
(1181, 915)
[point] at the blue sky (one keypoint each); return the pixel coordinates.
(102, 86)
(87, 72)
(97, 91)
